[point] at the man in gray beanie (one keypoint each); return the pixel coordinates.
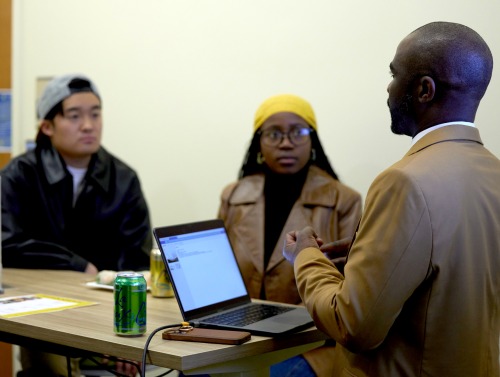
(70, 204)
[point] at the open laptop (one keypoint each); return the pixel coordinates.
(208, 284)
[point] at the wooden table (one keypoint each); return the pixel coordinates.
(91, 329)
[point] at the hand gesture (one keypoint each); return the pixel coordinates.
(337, 251)
(296, 241)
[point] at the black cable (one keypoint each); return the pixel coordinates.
(165, 373)
(142, 372)
(142, 369)
(68, 365)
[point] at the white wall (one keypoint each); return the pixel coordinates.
(181, 80)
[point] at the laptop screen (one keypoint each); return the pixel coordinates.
(202, 267)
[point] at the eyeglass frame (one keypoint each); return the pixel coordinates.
(308, 132)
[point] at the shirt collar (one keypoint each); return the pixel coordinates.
(430, 129)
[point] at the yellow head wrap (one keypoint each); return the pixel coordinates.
(284, 103)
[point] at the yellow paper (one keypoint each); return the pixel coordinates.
(38, 303)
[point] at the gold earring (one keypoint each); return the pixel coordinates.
(260, 158)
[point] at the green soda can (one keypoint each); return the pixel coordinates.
(130, 304)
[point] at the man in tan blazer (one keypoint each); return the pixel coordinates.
(420, 293)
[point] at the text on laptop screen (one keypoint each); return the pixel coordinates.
(208, 259)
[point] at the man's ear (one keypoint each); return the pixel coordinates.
(47, 127)
(426, 89)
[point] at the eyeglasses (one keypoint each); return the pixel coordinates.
(274, 137)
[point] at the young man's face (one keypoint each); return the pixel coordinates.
(76, 133)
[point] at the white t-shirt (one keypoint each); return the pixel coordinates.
(78, 174)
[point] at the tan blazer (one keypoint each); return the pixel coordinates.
(421, 293)
(331, 207)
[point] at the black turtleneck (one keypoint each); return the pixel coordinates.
(281, 191)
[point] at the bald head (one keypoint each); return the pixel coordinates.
(454, 55)
(439, 74)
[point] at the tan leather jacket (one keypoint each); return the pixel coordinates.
(330, 207)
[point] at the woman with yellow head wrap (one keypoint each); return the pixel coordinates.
(286, 182)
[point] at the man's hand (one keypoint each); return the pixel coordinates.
(123, 367)
(337, 251)
(126, 368)
(296, 241)
(91, 269)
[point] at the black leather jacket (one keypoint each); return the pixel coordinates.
(109, 225)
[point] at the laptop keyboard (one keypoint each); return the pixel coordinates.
(247, 315)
